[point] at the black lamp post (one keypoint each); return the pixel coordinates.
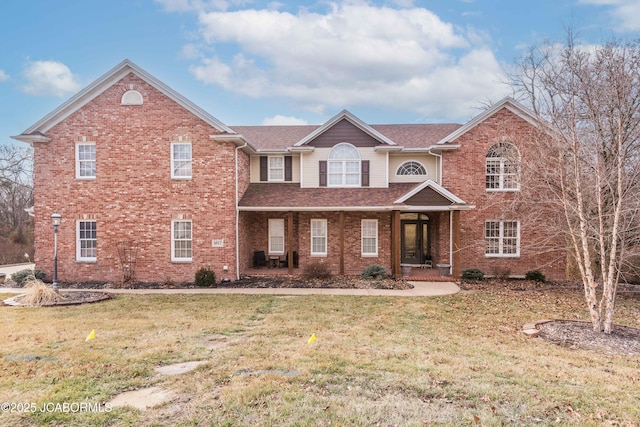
(55, 220)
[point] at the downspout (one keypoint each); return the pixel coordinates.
(439, 156)
(450, 243)
(238, 216)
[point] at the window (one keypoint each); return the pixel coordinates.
(276, 236)
(86, 241)
(502, 238)
(181, 160)
(369, 237)
(276, 168)
(131, 97)
(344, 166)
(318, 237)
(86, 161)
(181, 237)
(502, 167)
(411, 168)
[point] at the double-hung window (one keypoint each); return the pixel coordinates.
(276, 236)
(181, 241)
(318, 237)
(276, 168)
(181, 160)
(86, 160)
(369, 237)
(86, 241)
(502, 238)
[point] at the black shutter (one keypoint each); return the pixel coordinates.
(364, 173)
(323, 173)
(264, 171)
(288, 168)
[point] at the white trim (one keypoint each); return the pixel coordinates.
(104, 82)
(362, 237)
(174, 258)
(326, 237)
(79, 256)
(173, 168)
(77, 160)
(501, 239)
(270, 236)
(355, 208)
(131, 97)
(435, 187)
(344, 114)
(508, 103)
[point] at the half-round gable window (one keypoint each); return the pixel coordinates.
(344, 166)
(131, 97)
(411, 168)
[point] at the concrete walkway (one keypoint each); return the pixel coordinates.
(421, 289)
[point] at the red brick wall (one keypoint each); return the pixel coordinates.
(464, 175)
(134, 197)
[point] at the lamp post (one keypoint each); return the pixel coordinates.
(55, 220)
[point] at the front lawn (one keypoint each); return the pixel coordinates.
(455, 360)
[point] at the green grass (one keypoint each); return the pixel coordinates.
(456, 360)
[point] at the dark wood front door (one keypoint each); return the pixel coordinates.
(415, 244)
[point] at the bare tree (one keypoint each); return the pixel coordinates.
(16, 186)
(583, 171)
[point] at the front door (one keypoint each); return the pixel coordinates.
(415, 247)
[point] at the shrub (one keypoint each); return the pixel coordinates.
(535, 275)
(374, 272)
(21, 277)
(502, 273)
(317, 270)
(40, 294)
(205, 277)
(472, 274)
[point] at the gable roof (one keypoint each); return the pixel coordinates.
(37, 131)
(435, 187)
(508, 103)
(345, 115)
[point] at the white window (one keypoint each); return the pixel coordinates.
(411, 168)
(318, 237)
(343, 166)
(369, 237)
(86, 160)
(502, 164)
(502, 238)
(131, 97)
(86, 241)
(181, 160)
(276, 168)
(181, 241)
(276, 236)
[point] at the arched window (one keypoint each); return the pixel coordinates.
(344, 166)
(502, 166)
(131, 97)
(411, 168)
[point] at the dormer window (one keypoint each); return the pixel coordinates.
(344, 166)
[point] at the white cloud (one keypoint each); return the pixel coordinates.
(354, 54)
(3, 76)
(280, 120)
(625, 12)
(49, 78)
(199, 5)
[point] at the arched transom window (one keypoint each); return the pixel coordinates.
(502, 167)
(344, 166)
(411, 168)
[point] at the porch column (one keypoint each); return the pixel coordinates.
(290, 242)
(341, 225)
(395, 244)
(455, 230)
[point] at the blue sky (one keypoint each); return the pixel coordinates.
(250, 62)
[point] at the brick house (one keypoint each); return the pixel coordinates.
(151, 186)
